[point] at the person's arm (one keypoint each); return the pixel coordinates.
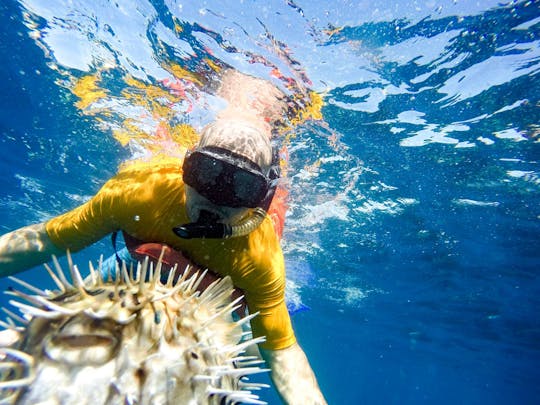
(293, 377)
(84, 225)
(251, 99)
(25, 248)
(264, 290)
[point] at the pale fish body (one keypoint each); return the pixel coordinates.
(134, 340)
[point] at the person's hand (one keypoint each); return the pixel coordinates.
(25, 248)
(293, 377)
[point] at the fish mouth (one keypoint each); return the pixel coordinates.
(85, 332)
(82, 341)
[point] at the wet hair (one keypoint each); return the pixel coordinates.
(239, 137)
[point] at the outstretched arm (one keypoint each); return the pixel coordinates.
(251, 99)
(25, 248)
(293, 377)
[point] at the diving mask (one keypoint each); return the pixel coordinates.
(225, 178)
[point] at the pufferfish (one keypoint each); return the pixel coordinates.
(133, 340)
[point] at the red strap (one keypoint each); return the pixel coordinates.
(278, 208)
(171, 257)
(153, 250)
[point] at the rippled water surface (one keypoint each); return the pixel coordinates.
(414, 219)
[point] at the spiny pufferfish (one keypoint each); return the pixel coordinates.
(134, 339)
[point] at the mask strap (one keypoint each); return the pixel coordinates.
(273, 175)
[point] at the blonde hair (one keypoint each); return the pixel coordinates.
(239, 137)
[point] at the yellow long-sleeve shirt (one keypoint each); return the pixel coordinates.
(146, 200)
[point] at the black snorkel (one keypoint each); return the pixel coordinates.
(219, 230)
(205, 227)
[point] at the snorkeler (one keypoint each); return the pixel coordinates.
(211, 207)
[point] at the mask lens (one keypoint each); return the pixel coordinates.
(222, 182)
(208, 172)
(248, 188)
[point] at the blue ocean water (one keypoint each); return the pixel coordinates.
(414, 221)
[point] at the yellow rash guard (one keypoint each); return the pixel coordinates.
(146, 200)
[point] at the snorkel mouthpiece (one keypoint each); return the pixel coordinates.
(196, 230)
(207, 226)
(207, 217)
(204, 228)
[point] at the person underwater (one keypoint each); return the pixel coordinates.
(211, 207)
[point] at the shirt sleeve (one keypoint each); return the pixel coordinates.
(264, 287)
(273, 322)
(84, 225)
